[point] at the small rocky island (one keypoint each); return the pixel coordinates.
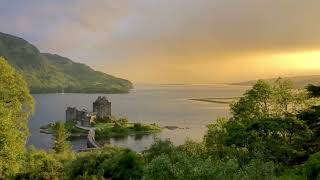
(100, 125)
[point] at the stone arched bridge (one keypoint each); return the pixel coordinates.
(91, 142)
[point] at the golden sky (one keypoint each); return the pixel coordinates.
(175, 41)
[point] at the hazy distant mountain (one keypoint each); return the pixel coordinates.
(298, 81)
(48, 73)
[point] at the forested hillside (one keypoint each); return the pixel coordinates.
(47, 73)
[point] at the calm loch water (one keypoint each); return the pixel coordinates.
(166, 105)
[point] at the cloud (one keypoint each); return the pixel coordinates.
(133, 37)
(182, 27)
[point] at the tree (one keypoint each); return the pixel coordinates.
(264, 99)
(180, 166)
(40, 165)
(257, 169)
(255, 102)
(124, 165)
(60, 138)
(158, 148)
(160, 168)
(271, 100)
(311, 117)
(264, 122)
(16, 104)
(312, 167)
(107, 163)
(193, 148)
(283, 96)
(215, 139)
(313, 91)
(288, 101)
(276, 138)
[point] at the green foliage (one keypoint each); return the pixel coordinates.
(283, 96)
(160, 168)
(255, 102)
(267, 120)
(267, 100)
(109, 162)
(121, 128)
(60, 136)
(16, 104)
(312, 167)
(139, 127)
(215, 140)
(40, 165)
(180, 167)
(279, 139)
(73, 130)
(292, 174)
(271, 123)
(313, 91)
(194, 149)
(123, 121)
(158, 148)
(311, 118)
(111, 119)
(48, 73)
(217, 143)
(257, 169)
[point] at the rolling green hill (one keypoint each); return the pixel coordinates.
(48, 73)
(297, 81)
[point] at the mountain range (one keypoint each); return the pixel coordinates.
(52, 73)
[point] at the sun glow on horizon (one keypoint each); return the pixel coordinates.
(258, 65)
(308, 60)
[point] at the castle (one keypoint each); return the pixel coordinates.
(101, 109)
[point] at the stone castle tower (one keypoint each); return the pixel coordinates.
(71, 114)
(102, 107)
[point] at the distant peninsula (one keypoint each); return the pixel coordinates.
(298, 82)
(51, 73)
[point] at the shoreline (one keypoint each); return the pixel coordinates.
(104, 131)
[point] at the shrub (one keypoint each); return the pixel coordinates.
(312, 166)
(108, 162)
(158, 148)
(42, 165)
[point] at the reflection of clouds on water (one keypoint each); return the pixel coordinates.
(164, 105)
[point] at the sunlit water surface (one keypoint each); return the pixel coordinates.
(166, 105)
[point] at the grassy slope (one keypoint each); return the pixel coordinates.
(47, 73)
(89, 80)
